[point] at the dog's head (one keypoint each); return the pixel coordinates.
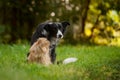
(55, 29)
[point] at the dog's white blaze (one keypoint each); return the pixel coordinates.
(59, 33)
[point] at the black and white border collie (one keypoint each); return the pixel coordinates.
(53, 31)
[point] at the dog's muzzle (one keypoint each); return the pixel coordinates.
(59, 34)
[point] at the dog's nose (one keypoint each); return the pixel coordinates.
(60, 36)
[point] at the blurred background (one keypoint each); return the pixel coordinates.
(92, 21)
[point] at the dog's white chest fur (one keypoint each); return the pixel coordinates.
(54, 41)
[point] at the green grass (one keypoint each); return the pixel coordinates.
(94, 63)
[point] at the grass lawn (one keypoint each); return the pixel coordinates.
(94, 63)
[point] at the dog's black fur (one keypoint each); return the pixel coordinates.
(53, 31)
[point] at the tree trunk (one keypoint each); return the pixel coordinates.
(13, 24)
(84, 15)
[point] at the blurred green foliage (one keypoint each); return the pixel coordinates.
(91, 20)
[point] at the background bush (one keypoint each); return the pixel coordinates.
(91, 20)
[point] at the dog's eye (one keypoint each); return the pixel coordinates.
(59, 27)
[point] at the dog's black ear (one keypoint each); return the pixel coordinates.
(45, 30)
(65, 24)
(46, 27)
